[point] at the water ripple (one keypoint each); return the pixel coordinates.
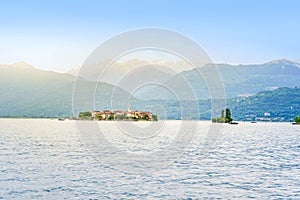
(45, 159)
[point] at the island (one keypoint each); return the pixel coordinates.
(224, 119)
(118, 115)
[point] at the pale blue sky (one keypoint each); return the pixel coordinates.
(59, 35)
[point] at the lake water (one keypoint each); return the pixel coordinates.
(47, 159)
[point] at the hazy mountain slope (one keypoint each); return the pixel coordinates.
(283, 104)
(26, 91)
(250, 79)
(237, 80)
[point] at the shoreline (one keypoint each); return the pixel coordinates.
(201, 120)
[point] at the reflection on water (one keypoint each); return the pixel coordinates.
(46, 159)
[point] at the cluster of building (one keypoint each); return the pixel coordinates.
(267, 117)
(121, 115)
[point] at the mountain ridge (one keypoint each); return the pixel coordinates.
(30, 92)
(237, 79)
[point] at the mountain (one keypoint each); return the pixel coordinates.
(119, 69)
(29, 92)
(250, 79)
(238, 80)
(282, 104)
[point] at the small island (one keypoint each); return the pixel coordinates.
(224, 118)
(118, 115)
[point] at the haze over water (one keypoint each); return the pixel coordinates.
(46, 159)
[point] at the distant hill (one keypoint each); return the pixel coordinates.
(239, 80)
(29, 92)
(282, 104)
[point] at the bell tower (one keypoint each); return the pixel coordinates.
(129, 109)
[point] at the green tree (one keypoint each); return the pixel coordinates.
(297, 119)
(154, 117)
(222, 113)
(99, 117)
(111, 117)
(146, 117)
(85, 114)
(228, 115)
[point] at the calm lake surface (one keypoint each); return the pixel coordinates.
(46, 159)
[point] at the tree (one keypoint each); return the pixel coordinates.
(85, 114)
(223, 119)
(99, 117)
(111, 117)
(154, 117)
(146, 117)
(222, 113)
(297, 119)
(228, 116)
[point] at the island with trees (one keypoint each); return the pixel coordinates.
(225, 117)
(118, 115)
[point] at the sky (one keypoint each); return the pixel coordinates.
(59, 35)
